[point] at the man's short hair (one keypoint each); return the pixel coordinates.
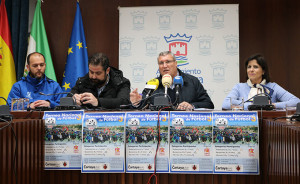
(164, 53)
(99, 59)
(29, 55)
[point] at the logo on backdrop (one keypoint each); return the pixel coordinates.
(226, 91)
(191, 18)
(205, 44)
(138, 72)
(125, 46)
(210, 92)
(218, 71)
(232, 44)
(217, 18)
(179, 45)
(151, 45)
(138, 19)
(164, 19)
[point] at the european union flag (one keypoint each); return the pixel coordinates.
(77, 60)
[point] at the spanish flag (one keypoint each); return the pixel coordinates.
(7, 65)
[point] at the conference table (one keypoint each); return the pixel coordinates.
(279, 157)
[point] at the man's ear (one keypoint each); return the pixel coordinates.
(27, 66)
(107, 70)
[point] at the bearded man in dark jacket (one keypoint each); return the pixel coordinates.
(104, 86)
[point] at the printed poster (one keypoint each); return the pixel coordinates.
(63, 139)
(103, 142)
(146, 149)
(191, 142)
(236, 142)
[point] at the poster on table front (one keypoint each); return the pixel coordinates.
(236, 143)
(191, 142)
(146, 149)
(63, 139)
(103, 147)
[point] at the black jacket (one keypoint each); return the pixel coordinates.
(192, 92)
(115, 93)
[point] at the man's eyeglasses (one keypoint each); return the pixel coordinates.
(161, 63)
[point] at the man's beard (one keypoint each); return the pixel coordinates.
(97, 83)
(36, 77)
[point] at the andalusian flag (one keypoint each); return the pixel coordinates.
(77, 60)
(7, 65)
(38, 42)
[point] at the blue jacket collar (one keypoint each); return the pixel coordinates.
(34, 80)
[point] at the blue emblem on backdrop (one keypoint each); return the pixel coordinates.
(226, 91)
(191, 18)
(138, 72)
(164, 19)
(232, 44)
(218, 18)
(138, 18)
(218, 71)
(151, 45)
(125, 46)
(210, 92)
(77, 60)
(205, 45)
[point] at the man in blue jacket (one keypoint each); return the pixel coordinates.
(35, 82)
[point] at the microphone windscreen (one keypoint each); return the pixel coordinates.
(153, 82)
(261, 100)
(178, 80)
(166, 80)
(298, 108)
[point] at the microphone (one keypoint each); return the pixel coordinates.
(163, 101)
(151, 86)
(296, 116)
(166, 82)
(41, 93)
(66, 103)
(4, 100)
(178, 81)
(261, 101)
(4, 111)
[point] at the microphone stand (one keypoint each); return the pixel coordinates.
(177, 88)
(4, 111)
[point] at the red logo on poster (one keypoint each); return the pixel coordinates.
(76, 149)
(251, 152)
(206, 152)
(117, 151)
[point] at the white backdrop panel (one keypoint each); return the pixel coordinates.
(204, 38)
